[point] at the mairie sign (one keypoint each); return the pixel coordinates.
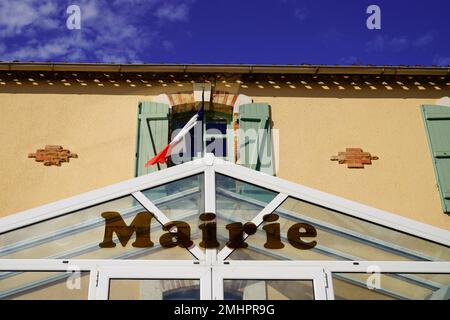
(179, 232)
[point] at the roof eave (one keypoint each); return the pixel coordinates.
(224, 68)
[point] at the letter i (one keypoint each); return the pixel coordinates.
(272, 232)
(236, 231)
(209, 231)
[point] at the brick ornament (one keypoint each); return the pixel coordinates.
(354, 158)
(52, 155)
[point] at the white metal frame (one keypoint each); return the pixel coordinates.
(209, 166)
(102, 270)
(322, 271)
(91, 198)
(164, 271)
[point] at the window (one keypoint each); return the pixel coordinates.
(152, 134)
(250, 145)
(214, 135)
(255, 137)
(437, 125)
(218, 135)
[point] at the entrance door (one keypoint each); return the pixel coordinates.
(256, 280)
(154, 283)
(267, 281)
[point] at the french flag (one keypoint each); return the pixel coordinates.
(162, 156)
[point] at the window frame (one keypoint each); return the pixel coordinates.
(179, 117)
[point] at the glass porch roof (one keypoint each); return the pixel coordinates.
(339, 229)
(345, 230)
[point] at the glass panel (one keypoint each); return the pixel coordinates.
(391, 286)
(216, 125)
(237, 201)
(79, 234)
(154, 289)
(181, 200)
(339, 237)
(268, 289)
(253, 253)
(40, 285)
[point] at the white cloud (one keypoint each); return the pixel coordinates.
(134, 2)
(350, 60)
(168, 46)
(424, 40)
(376, 44)
(90, 10)
(14, 16)
(108, 32)
(48, 23)
(47, 7)
(301, 13)
(173, 12)
(399, 43)
(382, 43)
(442, 61)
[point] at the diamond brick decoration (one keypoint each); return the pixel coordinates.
(354, 158)
(52, 155)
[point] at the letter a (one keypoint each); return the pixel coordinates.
(374, 20)
(74, 20)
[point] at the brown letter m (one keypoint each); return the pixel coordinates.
(140, 225)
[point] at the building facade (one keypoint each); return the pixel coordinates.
(331, 175)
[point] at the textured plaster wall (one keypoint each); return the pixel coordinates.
(100, 126)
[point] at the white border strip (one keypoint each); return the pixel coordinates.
(91, 198)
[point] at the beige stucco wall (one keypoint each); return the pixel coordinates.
(100, 129)
(100, 126)
(401, 181)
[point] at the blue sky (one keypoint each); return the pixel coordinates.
(227, 31)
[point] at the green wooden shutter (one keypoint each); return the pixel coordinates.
(437, 124)
(153, 134)
(255, 150)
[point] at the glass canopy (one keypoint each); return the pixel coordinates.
(213, 213)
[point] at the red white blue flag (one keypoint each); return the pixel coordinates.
(162, 156)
